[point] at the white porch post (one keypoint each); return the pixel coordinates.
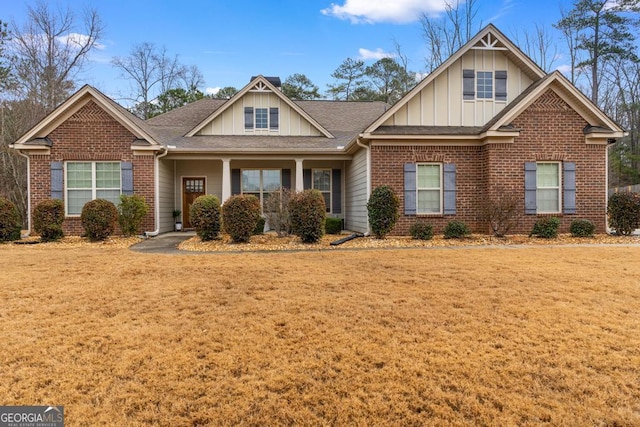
(299, 176)
(226, 179)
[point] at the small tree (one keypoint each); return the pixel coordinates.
(48, 217)
(9, 221)
(276, 211)
(204, 215)
(501, 212)
(383, 211)
(308, 212)
(131, 212)
(99, 219)
(240, 215)
(624, 212)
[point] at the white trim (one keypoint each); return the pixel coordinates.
(560, 186)
(441, 195)
(93, 188)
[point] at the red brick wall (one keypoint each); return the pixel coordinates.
(550, 130)
(91, 134)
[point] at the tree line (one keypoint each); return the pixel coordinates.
(41, 63)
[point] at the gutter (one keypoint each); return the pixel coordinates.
(26, 156)
(156, 178)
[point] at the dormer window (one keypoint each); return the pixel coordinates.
(484, 85)
(261, 118)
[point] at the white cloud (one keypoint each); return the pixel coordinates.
(366, 54)
(212, 90)
(565, 68)
(371, 11)
(77, 40)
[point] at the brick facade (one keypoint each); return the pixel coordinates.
(549, 130)
(91, 134)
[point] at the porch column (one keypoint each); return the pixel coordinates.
(226, 179)
(299, 176)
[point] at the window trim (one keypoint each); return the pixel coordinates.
(94, 188)
(559, 187)
(441, 188)
(330, 190)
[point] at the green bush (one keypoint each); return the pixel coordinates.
(582, 228)
(131, 212)
(204, 216)
(48, 217)
(383, 211)
(421, 231)
(308, 211)
(9, 221)
(624, 212)
(333, 225)
(456, 230)
(99, 219)
(240, 215)
(259, 226)
(546, 227)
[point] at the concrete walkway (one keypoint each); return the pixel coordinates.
(166, 243)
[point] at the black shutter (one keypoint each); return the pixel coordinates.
(235, 182)
(468, 84)
(286, 179)
(306, 179)
(248, 117)
(57, 180)
(501, 85)
(273, 118)
(336, 191)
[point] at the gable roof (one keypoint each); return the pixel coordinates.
(488, 36)
(76, 101)
(259, 80)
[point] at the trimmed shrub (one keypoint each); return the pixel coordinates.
(333, 225)
(204, 216)
(308, 211)
(582, 228)
(131, 212)
(456, 230)
(546, 227)
(9, 221)
(421, 231)
(383, 211)
(624, 212)
(276, 211)
(259, 226)
(48, 217)
(99, 219)
(240, 215)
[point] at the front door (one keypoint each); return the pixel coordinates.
(192, 188)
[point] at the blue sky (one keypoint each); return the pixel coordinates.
(231, 40)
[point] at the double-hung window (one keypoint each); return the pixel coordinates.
(261, 118)
(261, 183)
(484, 85)
(548, 189)
(322, 182)
(87, 181)
(429, 188)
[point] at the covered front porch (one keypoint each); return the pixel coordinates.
(183, 178)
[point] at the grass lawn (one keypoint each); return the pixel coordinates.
(469, 336)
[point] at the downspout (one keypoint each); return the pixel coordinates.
(368, 151)
(26, 156)
(156, 178)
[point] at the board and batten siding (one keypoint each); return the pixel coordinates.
(441, 103)
(166, 194)
(356, 193)
(231, 121)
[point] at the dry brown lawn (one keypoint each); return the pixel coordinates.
(466, 336)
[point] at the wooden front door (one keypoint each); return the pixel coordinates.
(192, 188)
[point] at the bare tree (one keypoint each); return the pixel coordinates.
(153, 72)
(50, 50)
(538, 45)
(445, 34)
